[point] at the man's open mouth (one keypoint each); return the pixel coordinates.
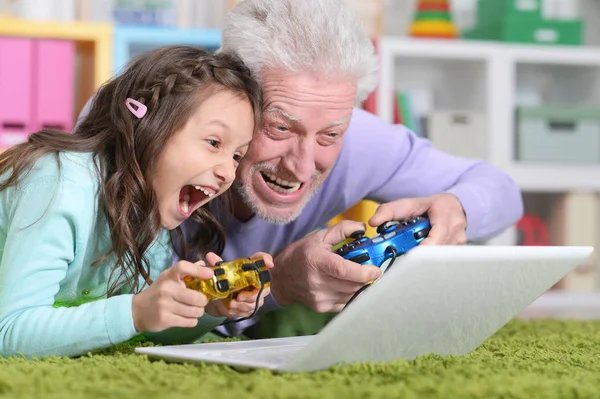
(280, 185)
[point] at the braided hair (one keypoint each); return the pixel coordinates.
(171, 81)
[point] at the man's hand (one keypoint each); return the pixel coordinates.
(308, 272)
(445, 213)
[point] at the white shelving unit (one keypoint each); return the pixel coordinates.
(484, 77)
(490, 78)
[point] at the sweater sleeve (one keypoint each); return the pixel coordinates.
(385, 162)
(48, 219)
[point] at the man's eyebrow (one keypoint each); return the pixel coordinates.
(340, 121)
(285, 114)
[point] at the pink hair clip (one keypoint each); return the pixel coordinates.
(141, 108)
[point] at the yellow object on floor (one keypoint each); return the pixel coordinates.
(360, 212)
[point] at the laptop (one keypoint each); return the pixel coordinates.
(444, 300)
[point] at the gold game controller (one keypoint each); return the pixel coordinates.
(232, 277)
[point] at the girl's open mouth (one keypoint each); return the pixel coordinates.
(192, 197)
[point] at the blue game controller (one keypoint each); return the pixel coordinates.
(393, 238)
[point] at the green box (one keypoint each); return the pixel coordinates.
(558, 134)
(515, 30)
(492, 12)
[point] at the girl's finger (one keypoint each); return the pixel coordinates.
(266, 257)
(212, 258)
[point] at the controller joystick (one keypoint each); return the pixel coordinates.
(358, 234)
(386, 226)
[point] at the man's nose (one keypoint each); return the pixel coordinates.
(300, 160)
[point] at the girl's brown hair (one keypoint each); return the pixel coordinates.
(172, 82)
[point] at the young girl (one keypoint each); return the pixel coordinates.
(88, 221)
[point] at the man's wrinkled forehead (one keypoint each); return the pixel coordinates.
(294, 118)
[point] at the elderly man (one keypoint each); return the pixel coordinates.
(318, 155)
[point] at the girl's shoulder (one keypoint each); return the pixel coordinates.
(78, 168)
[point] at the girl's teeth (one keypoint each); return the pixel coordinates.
(186, 203)
(200, 188)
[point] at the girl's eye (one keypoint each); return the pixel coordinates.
(214, 143)
(237, 157)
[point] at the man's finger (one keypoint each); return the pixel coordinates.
(343, 288)
(399, 210)
(436, 236)
(342, 230)
(340, 268)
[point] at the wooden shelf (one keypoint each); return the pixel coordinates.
(95, 38)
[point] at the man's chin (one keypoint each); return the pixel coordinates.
(269, 212)
(279, 216)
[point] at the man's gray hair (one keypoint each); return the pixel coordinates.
(324, 37)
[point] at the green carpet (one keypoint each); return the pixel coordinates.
(549, 359)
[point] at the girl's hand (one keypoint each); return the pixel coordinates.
(244, 303)
(168, 302)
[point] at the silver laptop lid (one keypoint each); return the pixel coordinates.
(438, 299)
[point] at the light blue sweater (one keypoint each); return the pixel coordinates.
(52, 299)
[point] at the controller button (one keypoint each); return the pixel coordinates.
(357, 234)
(360, 258)
(219, 263)
(246, 267)
(222, 285)
(377, 239)
(259, 263)
(219, 271)
(421, 233)
(389, 235)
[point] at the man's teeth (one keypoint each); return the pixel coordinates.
(186, 203)
(280, 185)
(200, 188)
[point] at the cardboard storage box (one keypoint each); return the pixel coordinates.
(460, 133)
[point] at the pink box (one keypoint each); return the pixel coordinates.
(54, 84)
(16, 90)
